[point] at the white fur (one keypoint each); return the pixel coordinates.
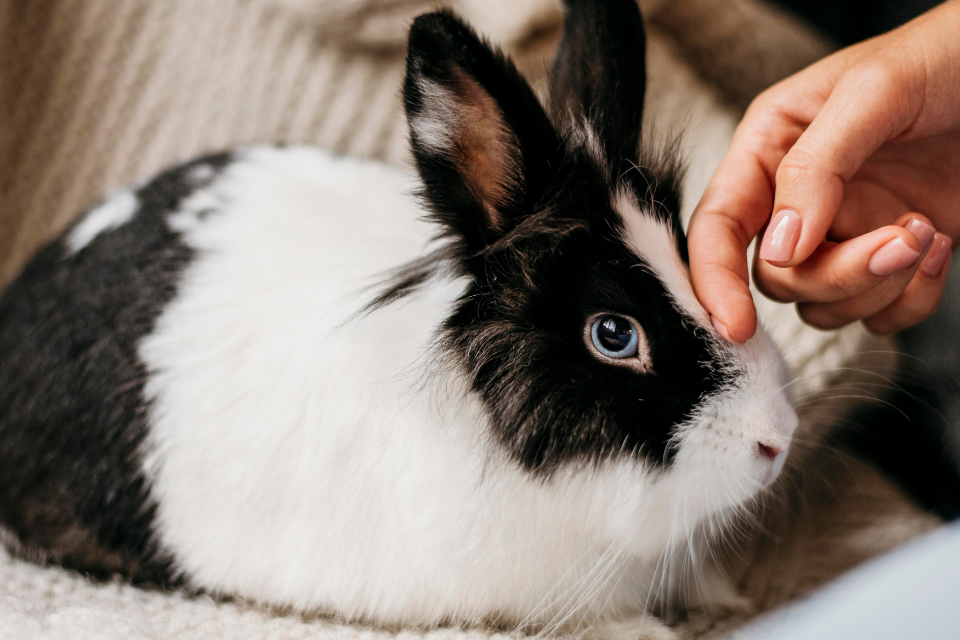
(113, 212)
(654, 241)
(757, 401)
(434, 127)
(304, 454)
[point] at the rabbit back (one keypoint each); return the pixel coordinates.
(182, 283)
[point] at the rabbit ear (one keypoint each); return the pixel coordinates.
(482, 142)
(599, 77)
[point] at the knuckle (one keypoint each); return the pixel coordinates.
(734, 225)
(910, 310)
(772, 288)
(879, 326)
(796, 166)
(880, 76)
(925, 308)
(841, 283)
(764, 101)
(917, 303)
(820, 317)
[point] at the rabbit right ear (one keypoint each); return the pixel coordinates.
(599, 77)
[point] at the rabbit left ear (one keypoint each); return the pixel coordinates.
(482, 142)
(599, 76)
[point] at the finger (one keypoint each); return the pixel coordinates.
(831, 315)
(921, 297)
(717, 246)
(718, 268)
(840, 271)
(867, 205)
(866, 108)
(733, 209)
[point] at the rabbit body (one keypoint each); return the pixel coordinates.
(278, 374)
(338, 417)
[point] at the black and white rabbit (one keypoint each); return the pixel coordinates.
(275, 373)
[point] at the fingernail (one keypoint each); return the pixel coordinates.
(932, 265)
(923, 232)
(722, 330)
(781, 237)
(892, 257)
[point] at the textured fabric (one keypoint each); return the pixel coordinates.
(96, 93)
(851, 516)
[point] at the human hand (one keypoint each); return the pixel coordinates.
(844, 153)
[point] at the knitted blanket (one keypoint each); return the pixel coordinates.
(98, 93)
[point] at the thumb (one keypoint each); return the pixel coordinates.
(870, 104)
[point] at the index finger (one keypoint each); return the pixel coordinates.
(734, 208)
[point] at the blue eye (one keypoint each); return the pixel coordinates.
(615, 336)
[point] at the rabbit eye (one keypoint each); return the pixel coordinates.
(615, 336)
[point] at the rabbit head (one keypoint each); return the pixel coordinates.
(580, 330)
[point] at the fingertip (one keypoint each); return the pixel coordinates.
(724, 333)
(744, 328)
(937, 257)
(720, 274)
(921, 228)
(728, 301)
(892, 257)
(918, 301)
(720, 328)
(780, 238)
(725, 295)
(738, 324)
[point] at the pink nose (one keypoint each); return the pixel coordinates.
(768, 451)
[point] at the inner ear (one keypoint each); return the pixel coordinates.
(482, 146)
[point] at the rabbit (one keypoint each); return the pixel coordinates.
(484, 393)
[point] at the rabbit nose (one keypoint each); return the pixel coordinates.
(777, 457)
(768, 451)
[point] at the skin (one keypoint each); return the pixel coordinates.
(864, 148)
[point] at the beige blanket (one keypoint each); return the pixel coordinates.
(97, 93)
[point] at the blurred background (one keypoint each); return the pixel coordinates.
(849, 21)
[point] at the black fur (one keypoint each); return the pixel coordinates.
(551, 255)
(599, 76)
(407, 279)
(70, 427)
(520, 333)
(599, 80)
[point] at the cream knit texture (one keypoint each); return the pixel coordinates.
(95, 94)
